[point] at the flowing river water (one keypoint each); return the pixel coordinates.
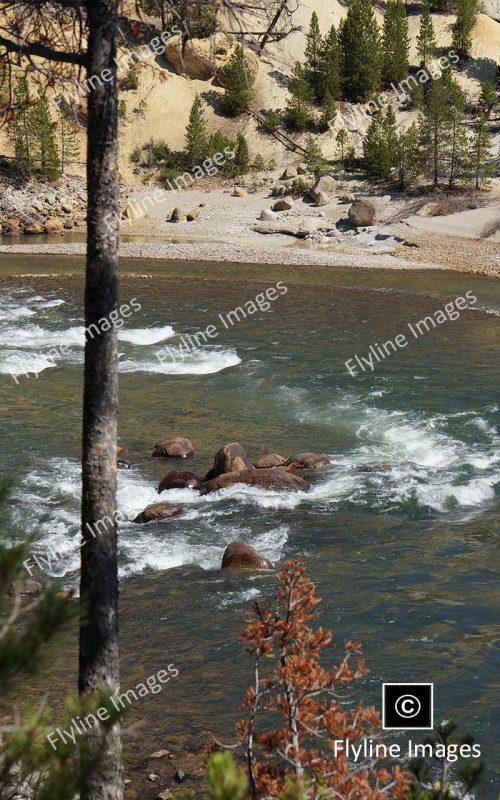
(406, 560)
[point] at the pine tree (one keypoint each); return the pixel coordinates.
(395, 43)
(361, 49)
(196, 135)
(481, 154)
(342, 139)
(457, 144)
(488, 99)
(380, 146)
(242, 156)
(314, 158)
(44, 142)
(329, 113)
(239, 81)
(426, 40)
(313, 63)
(20, 129)
(68, 136)
(330, 79)
(408, 162)
(439, 137)
(467, 11)
(298, 108)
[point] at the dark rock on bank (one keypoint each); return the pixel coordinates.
(241, 556)
(177, 479)
(157, 511)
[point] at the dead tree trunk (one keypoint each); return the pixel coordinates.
(99, 663)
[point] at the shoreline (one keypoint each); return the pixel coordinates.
(252, 254)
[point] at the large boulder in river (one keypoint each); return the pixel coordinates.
(157, 511)
(173, 448)
(367, 211)
(230, 458)
(241, 556)
(177, 479)
(309, 461)
(276, 478)
(325, 186)
(268, 460)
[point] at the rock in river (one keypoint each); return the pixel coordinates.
(241, 556)
(230, 458)
(173, 448)
(268, 460)
(277, 478)
(157, 511)
(311, 461)
(177, 479)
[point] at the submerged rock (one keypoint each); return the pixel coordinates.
(241, 556)
(177, 479)
(230, 458)
(381, 467)
(268, 460)
(157, 511)
(311, 461)
(276, 478)
(178, 447)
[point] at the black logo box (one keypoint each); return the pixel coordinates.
(407, 706)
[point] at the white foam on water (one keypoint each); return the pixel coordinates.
(18, 362)
(146, 336)
(198, 362)
(35, 337)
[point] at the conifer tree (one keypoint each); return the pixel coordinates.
(330, 79)
(68, 136)
(457, 143)
(342, 139)
(380, 145)
(314, 158)
(329, 113)
(313, 63)
(43, 140)
(242, 156)
(298, 108)
(395, 43)
(426, 40)
(408, 162)
(361, 48)
(481, 154)
(439, 140)
(238, 80)
(467, 11)
(196, 135)
(488, 99)
(20, 128)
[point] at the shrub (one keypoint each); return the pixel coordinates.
(259, 164)
(136, 155)
(271, 121)
(122, 109)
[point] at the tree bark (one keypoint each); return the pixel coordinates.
(99, 663)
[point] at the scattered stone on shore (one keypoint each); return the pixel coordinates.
(325, 185)
(289, 174)
(153, 777)
(157, 511)
(302, 168)
(239, 191)
(34, 228)
(269, 460)
(309, 461)
(161, 754)
(166, 795)
(178, 215)
(231, 457)
(276, 478)
(367, 211)
(178, 479)
(268, 215)
(193, 215)
(279, 190)
(178, 447)
(283, 205)
(29, 588)
(322, 199)
(180, 776)
(54, 225)
(241, 556)
(346, 197)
